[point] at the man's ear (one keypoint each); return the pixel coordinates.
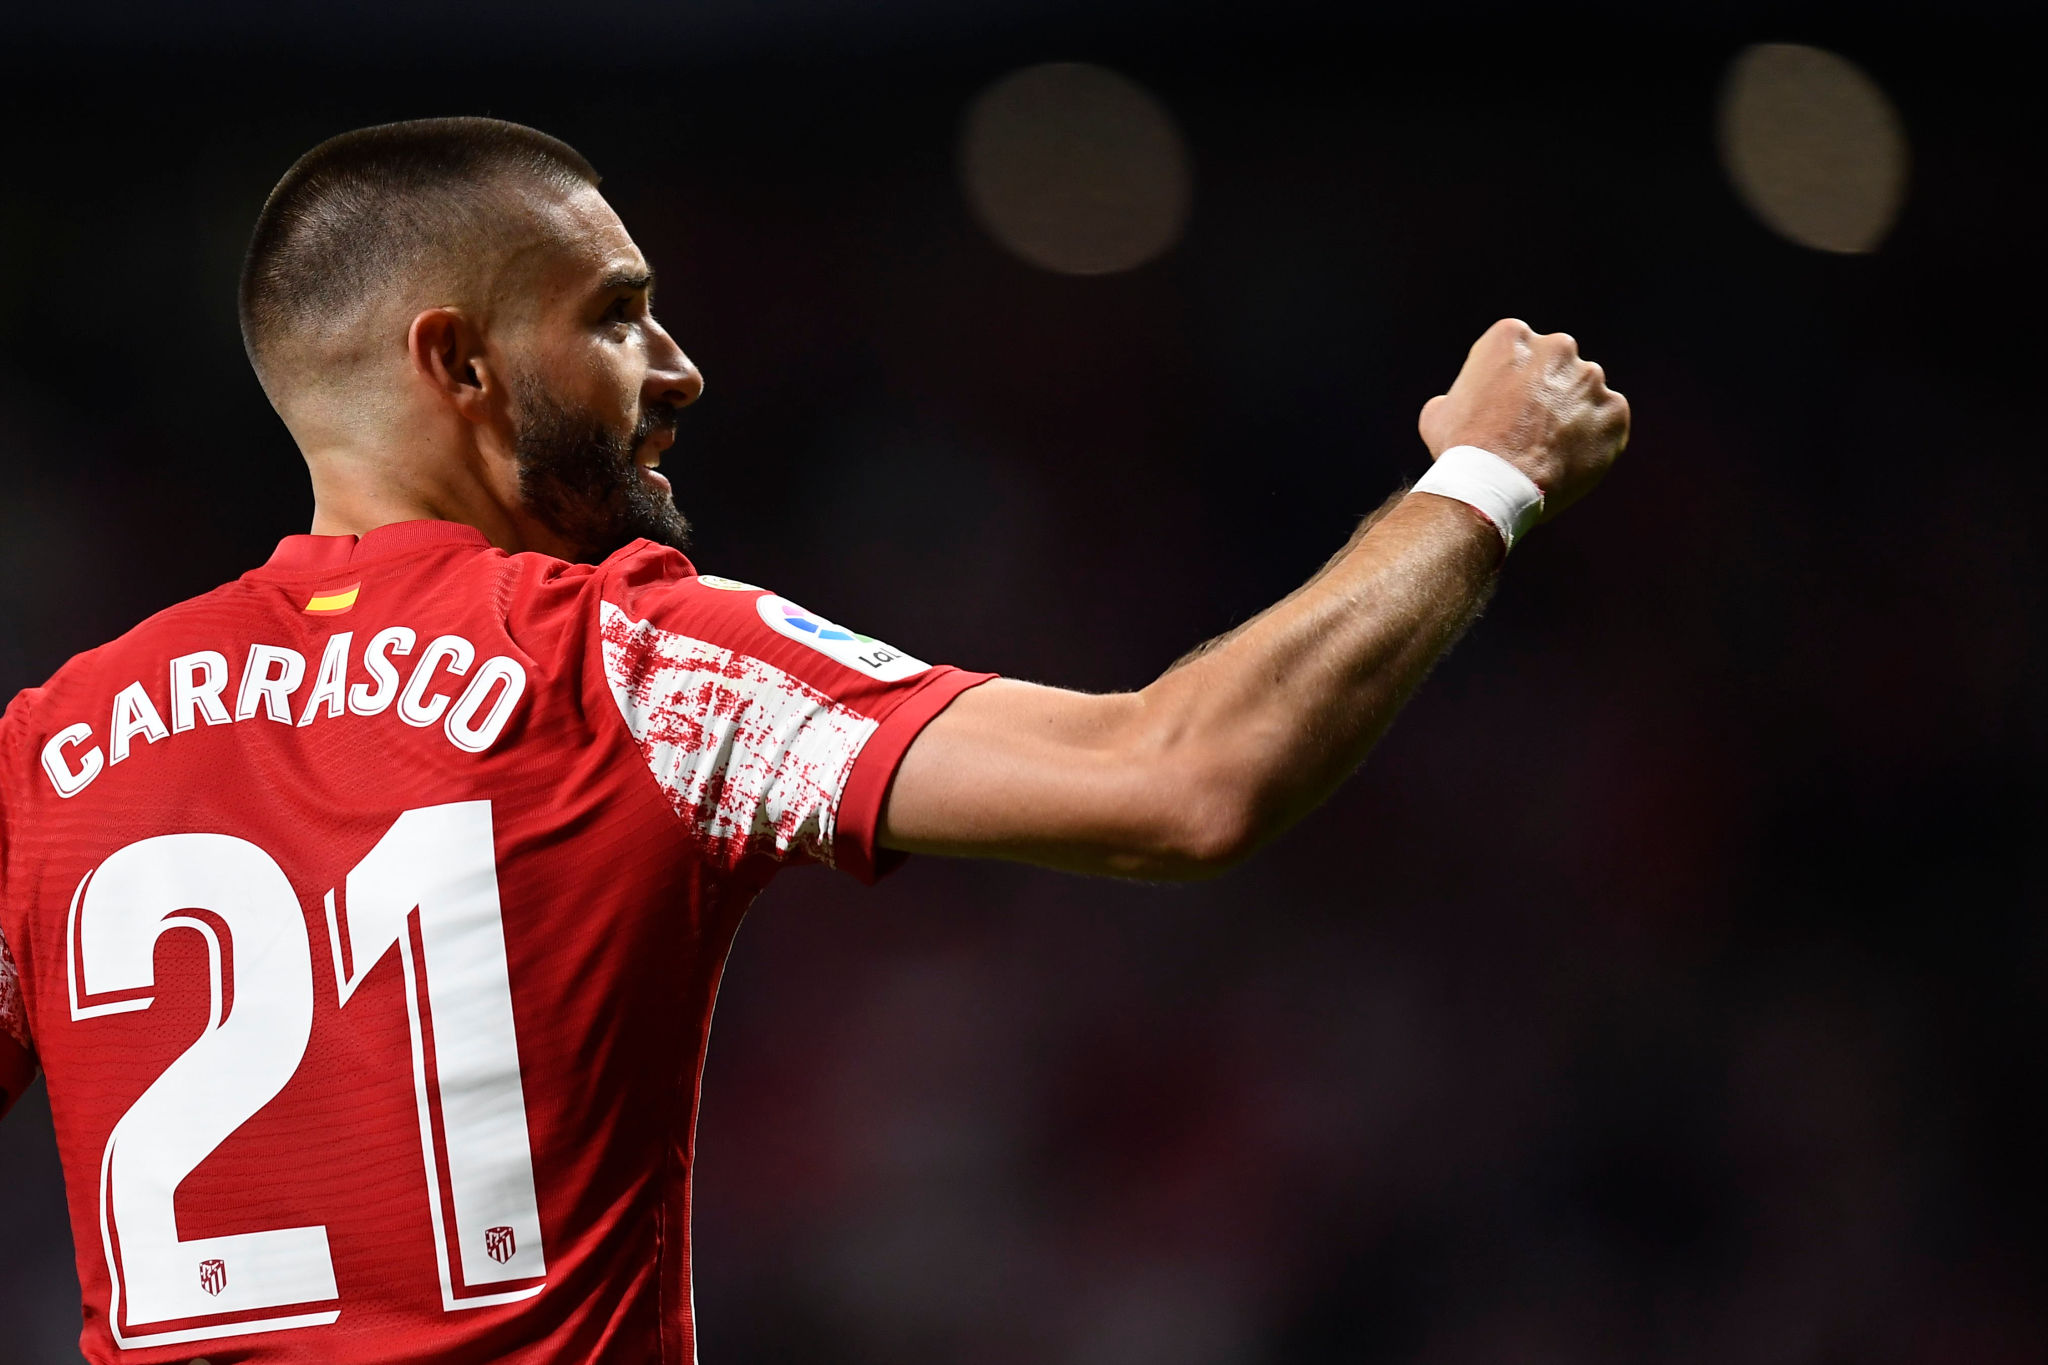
(446, 352)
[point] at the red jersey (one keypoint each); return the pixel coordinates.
(365, 916)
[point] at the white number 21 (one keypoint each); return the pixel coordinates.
(436, 862)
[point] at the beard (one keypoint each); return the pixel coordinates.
(581, 479)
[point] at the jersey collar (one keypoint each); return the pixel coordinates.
(331, 552)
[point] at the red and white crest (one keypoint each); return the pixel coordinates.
(500, 1243)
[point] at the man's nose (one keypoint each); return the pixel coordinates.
(672, 378)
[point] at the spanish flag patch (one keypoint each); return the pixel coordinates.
(333, 601)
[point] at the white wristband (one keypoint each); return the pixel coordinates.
(1503, 494)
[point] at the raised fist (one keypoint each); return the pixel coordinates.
(1531, 400)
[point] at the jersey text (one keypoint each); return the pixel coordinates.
(197, 690)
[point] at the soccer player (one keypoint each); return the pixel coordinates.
(365, 914)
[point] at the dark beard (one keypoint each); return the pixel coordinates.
(581, 480)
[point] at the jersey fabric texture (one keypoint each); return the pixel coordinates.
(366, 914)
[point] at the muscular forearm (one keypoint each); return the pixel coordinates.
(1234, 743)
(1268, 720)
(1243, 736)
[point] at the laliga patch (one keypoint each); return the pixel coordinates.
(712, 580)
(851, 648)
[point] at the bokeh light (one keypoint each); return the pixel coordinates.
(1814, 146)
(1075, 168)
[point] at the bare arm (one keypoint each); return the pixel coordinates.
(1249, 733)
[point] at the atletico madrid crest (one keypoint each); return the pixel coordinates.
(499, 1242)
(213, 1276)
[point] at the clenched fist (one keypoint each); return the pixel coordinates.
(1531, 400)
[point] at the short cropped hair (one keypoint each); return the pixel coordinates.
(373, 204)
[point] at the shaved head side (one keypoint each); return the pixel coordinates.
(367, 213)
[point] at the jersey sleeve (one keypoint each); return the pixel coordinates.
(17, 1053)
(17, 1048)
(772, 731)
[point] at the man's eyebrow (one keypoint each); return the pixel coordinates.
(629, 279)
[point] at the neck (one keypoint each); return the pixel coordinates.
(358, 513)
(354, 494)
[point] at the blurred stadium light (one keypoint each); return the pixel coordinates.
(1075, 168)
(1814, 146)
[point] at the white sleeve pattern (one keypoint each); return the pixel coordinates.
(755, 760)
(13, 1010)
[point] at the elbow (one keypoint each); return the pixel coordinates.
(1215, 825)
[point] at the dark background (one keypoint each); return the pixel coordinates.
(1670, 985)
